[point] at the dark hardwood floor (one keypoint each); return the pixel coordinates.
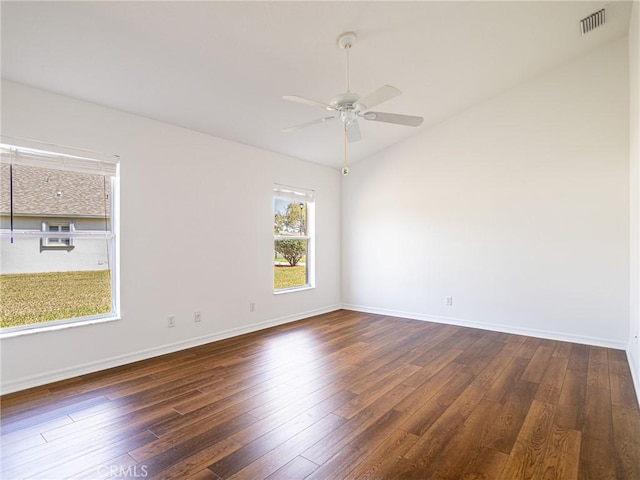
(344, 395)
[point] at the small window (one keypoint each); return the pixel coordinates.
(57, 243)
(293, 229)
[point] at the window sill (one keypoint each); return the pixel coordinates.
(60, 326)
(293, 289)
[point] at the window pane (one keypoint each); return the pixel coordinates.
(55, 284)
(290, 263)
(47, 278)
(289, 218)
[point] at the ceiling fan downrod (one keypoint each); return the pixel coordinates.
(346, 41)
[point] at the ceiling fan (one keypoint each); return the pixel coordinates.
(350, 106)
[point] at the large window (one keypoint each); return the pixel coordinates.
(58, 225)
(293, 229)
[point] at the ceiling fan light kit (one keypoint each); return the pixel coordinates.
(349, 106)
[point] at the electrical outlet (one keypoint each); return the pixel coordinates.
(171, 321)
(252, 307)
(448, 301)
(197, 316)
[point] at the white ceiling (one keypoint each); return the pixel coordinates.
(223, 67)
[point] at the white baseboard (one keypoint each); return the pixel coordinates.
(91, 367)
(633, 366)
(531, 332)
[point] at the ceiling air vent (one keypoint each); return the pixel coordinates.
(592, 22)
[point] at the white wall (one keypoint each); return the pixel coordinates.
(196, 234)
(518, 208)
(634, 129)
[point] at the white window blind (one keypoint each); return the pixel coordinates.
(15, 155)
(294, 193)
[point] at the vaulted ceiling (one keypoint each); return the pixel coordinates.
(222, 67)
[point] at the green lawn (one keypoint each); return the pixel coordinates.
(286, 276)
(29, 298)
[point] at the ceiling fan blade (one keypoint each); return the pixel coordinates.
(307, 101)
(408, 120)
(353, 132)
(307, 124)
(382, 94)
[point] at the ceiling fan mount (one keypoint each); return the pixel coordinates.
(347, 39)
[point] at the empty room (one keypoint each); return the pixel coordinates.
(320, 240)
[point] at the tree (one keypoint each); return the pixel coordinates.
(291, 221)
(291, 250)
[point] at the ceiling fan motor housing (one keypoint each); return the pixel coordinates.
(346, 100)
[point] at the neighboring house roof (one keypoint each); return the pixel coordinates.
(43, 192)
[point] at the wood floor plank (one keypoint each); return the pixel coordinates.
(24, 420)
(552, 380)
(157, 460)
(343, 436)
(76, 445)
(275, 430)
(487, 465)
(438, 359)
(490, 373)
(527, 456)
(113, 467)
(297, 469)
(14, 448)
(423, 454)
(561, 460)
(287, 451)
(195, 464)
(538, 364)
(430, 411)
(381, 462)
(465, 444)
(30, 429)
(571, 403)
(374, 435)
(626, 425)
(622, 391)
(503, 433)
(528, 348)
(344, 395)
(217, 411)
(598, 370)
(384, 385)
(579, 358)
(75, 460)
(507, 380)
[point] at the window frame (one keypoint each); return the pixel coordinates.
(83, 163)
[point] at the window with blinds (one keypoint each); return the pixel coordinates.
(293, 241)
(58, 243)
